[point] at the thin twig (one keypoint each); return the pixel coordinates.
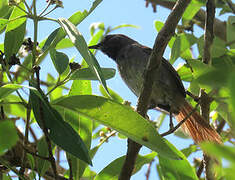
(180, 123)
(70, 169)
(155, 58)
(206, 99)
(26, 136)
(147, 175)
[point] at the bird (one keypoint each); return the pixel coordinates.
(168, 92)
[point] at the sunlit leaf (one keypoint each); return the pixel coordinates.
(130, 123)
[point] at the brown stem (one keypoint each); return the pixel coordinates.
(149, 170)
(154, 62)
(25, 142)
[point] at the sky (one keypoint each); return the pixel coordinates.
(112, 13)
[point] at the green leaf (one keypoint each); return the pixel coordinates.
(176, 169)
(46, 44)
(231, 86)
(192, 9)
(5, 9)
(7, 89)
(64, 43)
(60, 132)
(215, 77)
(189, 150)
(181, 44)
(230, 27)
(76, 19)
(218, 47)
(219, 150)
(80, 43)
(17, 110)
(158, 25)
(185, 73)
(81, 124)
(87, 74)
(129, 123)
(15, 32)
(60, 60)
(7, 127)
(58, 92)
(113, 94)
(3, 23)
(113, 170)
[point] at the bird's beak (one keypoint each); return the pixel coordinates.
(97, 46)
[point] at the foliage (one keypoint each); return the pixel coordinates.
(69, 114)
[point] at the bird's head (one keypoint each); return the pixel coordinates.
(112, 44)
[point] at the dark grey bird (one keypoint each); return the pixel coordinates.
(168, 92)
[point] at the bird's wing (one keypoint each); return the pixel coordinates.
(171, 70)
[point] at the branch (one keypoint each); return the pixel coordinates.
(44, 128)
(219, 26)
(209, 33)
(154, 62)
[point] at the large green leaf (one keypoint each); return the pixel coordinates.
(7, 127)
(121, 118)
(60, 132)
(80, 123)
(15, 32)
(113, 170)
(80, 43)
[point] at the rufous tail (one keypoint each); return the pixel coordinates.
(196, 126)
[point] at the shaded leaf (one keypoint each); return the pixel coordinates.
(60, 132)
(60, 60)
(7, 127)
